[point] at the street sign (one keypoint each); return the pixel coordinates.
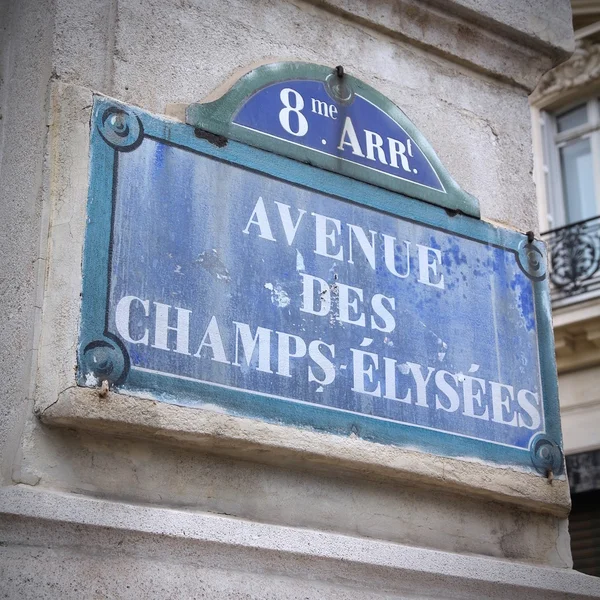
(331, 120)
(218, 273)
(303, 112)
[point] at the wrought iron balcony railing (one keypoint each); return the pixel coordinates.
(574, 252)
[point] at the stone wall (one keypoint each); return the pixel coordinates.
(97, 511)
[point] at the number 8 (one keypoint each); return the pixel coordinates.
(284, 113)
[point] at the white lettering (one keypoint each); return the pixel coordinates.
(374, 142)
(445, 388)
(367, 247)
(284, 114)
(473, 397)
(390, 381)
(286, 220)
(398, 149)
(389, 323)
(284, 351)
(324, 238)
(428, 268)
(162, 328)
(532, 411)
(314, 351)
(359, 372)
(389, 249)
(349, 132)
(123, 318)
(308, 295)
(259, 218)
(346, 304)
(421, 382)
(500, 403)
(212, 339)
(319, 107)
(262, 336)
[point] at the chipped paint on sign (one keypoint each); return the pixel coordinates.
(231, 282)
(405, 308)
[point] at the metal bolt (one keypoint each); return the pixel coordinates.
(530, 237)
(340, 71)
(103, 391)
(117, 121)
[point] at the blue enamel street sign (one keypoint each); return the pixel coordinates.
(216, 273)
(305, 113)
(310, 113)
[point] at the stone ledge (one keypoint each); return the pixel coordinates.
(300, 552)
(577, 345)
(249, 439)
(514, 43)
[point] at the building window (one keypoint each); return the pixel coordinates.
(584, 522)
(573, 162)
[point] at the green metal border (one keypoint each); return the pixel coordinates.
(216, 117)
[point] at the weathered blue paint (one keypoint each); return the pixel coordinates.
(341, 124)
(193, 232)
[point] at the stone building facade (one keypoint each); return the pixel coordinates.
(566, 164)
(109, 496)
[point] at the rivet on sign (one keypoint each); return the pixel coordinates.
(340, 71)
(103, 391)
(550, 475)
(530, 237)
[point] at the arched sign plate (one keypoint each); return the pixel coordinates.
(334, 121)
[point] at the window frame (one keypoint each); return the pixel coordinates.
(553, 141)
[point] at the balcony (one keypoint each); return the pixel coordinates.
(574, 252)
